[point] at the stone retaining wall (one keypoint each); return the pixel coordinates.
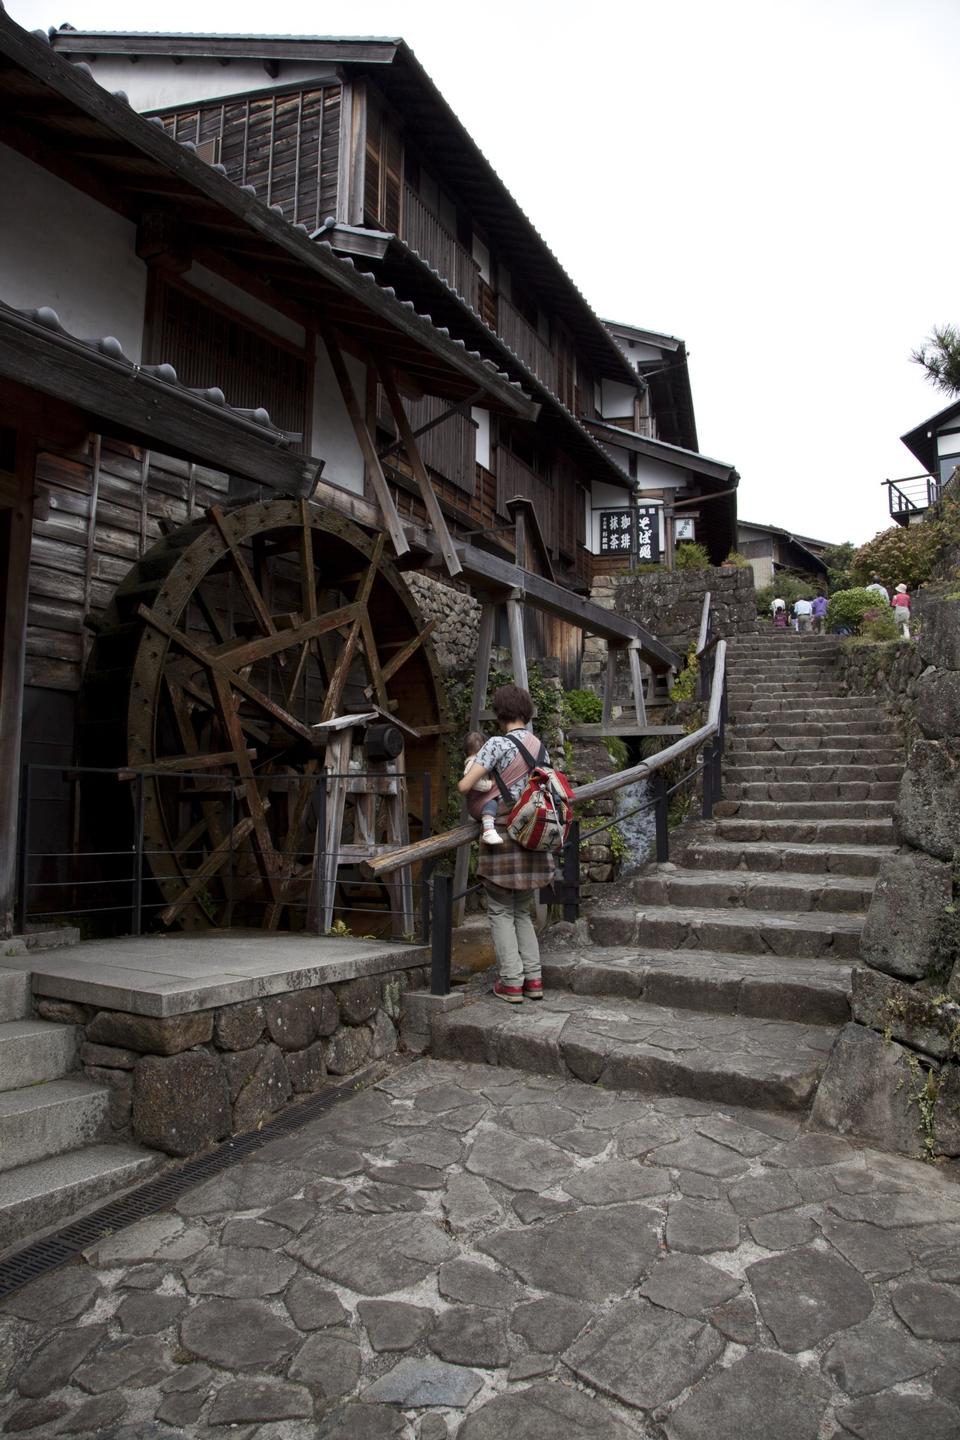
(669, 604)
(894, 1077)
(182, 1082)
(457, 614)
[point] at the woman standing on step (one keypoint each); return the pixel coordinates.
(512, 875)
(901, 611)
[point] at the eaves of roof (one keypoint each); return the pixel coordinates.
(669, 454)
(428, 116)
(148, 401)
(921, 441)
(646, 337)
(121, 146)
(791, 539)
(405, 268)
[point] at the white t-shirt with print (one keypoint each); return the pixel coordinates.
(499, 751)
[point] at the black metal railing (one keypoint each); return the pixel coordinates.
(911, 495)
(65, 873)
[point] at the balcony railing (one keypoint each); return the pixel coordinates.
(526, 343)
(910, 497)
(423, 232)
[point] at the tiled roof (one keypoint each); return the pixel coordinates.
(108, 346)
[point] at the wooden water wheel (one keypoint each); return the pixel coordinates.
(223, 657)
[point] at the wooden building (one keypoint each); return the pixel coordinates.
(772, 550)
(175, 341)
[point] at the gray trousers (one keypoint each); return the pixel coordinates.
(514, 937)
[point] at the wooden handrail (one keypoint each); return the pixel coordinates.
(463, 834)
(704, 624)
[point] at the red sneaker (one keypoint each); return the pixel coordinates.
(513, 994)
(533, 989)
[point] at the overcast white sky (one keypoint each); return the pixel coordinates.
(777, 181)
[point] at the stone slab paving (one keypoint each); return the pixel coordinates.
(480, 1253)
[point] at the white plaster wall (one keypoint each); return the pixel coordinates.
(481, 418)
(656, 475)
(248, 305)
(617, 400)
(154, 82)
(620, 457)
(60, 248)
(637, 351)
(333, 437)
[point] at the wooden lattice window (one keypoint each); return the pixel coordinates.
(383, 169)
(286, 143)
(210, 345)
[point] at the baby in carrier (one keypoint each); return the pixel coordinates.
(472, 745)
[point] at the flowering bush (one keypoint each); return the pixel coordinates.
(848, 608)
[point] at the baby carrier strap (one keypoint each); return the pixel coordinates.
(529, 762)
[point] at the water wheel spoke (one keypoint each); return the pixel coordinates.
(214, 862)
(308, 581)
(292, 843)
(403, 655)
(267, 857)
(248, 584)
(377, 687)
(331, 705)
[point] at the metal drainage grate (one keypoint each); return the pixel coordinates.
(155, 1195)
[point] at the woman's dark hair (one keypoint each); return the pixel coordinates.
(512, 703)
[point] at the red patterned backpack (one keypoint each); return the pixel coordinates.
(541, 818)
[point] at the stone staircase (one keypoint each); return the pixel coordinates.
(725, 975)
(55, 1153)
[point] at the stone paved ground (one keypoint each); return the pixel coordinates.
(479, 1253)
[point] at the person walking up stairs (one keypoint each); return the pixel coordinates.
(725, 975)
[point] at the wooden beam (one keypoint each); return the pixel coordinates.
(140, 407)
(424, 484)
(518, 648)
(491, 572)
(525, 520)
(367, 448)
(636, 683)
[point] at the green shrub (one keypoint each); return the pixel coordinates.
(740, 562)
(582, 707)
(617, 750)
(691, 556)
(904, 553)
(879, 625)
(847, 609)
(685, 685)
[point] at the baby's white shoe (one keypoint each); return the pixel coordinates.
(490, 837)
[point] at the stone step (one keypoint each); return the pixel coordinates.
(733, 889)
(624, 1044)
(16, 999)
(823, 833)
(32, 1051)
(45, 1120)
(55, 938)
(805, 809)
(751, 711)
(36, 1196)
(808, 700)
(826, 684)
(817, 749)
(767, 857)
(743, 931)
(791, 790)
(870, 729)
(814, 992)
(813, 772)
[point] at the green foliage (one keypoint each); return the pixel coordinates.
(685, 685)
(904, 553)
(740, 562)
(617, 750)
(618, 844)
(879, 625)
(582, 707)
(939, 357)
(838, 559)
(691, 556)
(848, 607)
(913, 554)
(646, 567)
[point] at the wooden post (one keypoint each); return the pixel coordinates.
(437, 519)
(488, 621)
(636, 681)
(669, 531)
(16, 530)
(609, 685)
(518, 648)
(365, 441)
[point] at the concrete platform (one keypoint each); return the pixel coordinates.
(175, 974)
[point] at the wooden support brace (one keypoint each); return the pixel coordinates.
(437, 519)
(518, 649)
(609, 685)
(636, 682)
(365, 441)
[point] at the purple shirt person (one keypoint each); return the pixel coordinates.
(819, 611)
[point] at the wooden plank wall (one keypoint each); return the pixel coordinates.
(106, 503)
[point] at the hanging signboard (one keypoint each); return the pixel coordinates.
(647, 547)
(634, 532)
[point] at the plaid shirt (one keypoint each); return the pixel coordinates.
(509, 865)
